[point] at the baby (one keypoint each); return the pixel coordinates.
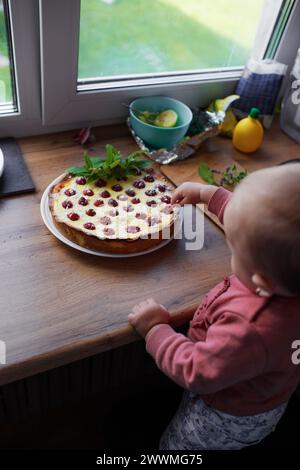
(235, 363)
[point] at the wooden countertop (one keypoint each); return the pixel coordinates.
(58, 305)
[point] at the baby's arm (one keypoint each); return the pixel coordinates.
(195, 193)
(232, 352)
(218, 202)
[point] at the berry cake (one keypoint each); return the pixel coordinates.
(125, 215)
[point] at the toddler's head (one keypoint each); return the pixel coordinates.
(262, 226)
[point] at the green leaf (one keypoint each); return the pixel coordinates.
(76, 170)
(206, 173)
(111, 153)
(88, 161)
(114, 164)
(138, 153)
(92, 178)
(96, 161)
(143, 163)
(233, 176)
(98, 165)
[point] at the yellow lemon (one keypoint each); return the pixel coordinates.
(248, 133)
(229, 123)
(223, 104)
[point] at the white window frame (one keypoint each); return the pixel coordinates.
(25, 47)
(46, 41)
(290, 41)
(59, 46)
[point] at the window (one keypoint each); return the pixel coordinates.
(7, 91)
(131, 37)
(20, 102)
(108, 52)
(72, 63)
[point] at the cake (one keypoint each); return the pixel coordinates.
(128, 214)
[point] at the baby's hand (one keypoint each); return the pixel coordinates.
(146, 315)
(193, 193)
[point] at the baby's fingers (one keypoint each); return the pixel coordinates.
(185, 200)
(177, 196)
(137, 308)
(133, 318)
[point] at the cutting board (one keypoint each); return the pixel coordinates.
(187, 170)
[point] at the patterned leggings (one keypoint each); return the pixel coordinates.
(197, 426)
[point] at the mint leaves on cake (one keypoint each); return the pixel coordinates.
(111, 166)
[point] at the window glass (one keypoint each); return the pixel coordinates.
(6, 89)
(132, 37)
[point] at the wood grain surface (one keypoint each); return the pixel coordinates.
(58, 305)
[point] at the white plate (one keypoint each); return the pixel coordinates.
(1, 163)
(48, 221)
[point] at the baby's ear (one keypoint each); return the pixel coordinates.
(263, 285)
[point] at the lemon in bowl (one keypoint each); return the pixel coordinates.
(160, 121)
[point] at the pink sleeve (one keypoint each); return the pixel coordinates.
(233, 352)
(218, 202)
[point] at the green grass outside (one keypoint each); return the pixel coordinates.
(144, 36)
(5, 77)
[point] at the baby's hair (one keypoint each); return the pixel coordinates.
(274, 232)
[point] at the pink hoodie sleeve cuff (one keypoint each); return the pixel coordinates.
(218, 202)
(156, 336)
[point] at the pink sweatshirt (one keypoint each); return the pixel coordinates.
(237, 355)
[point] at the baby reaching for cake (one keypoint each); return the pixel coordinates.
(235, 363)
